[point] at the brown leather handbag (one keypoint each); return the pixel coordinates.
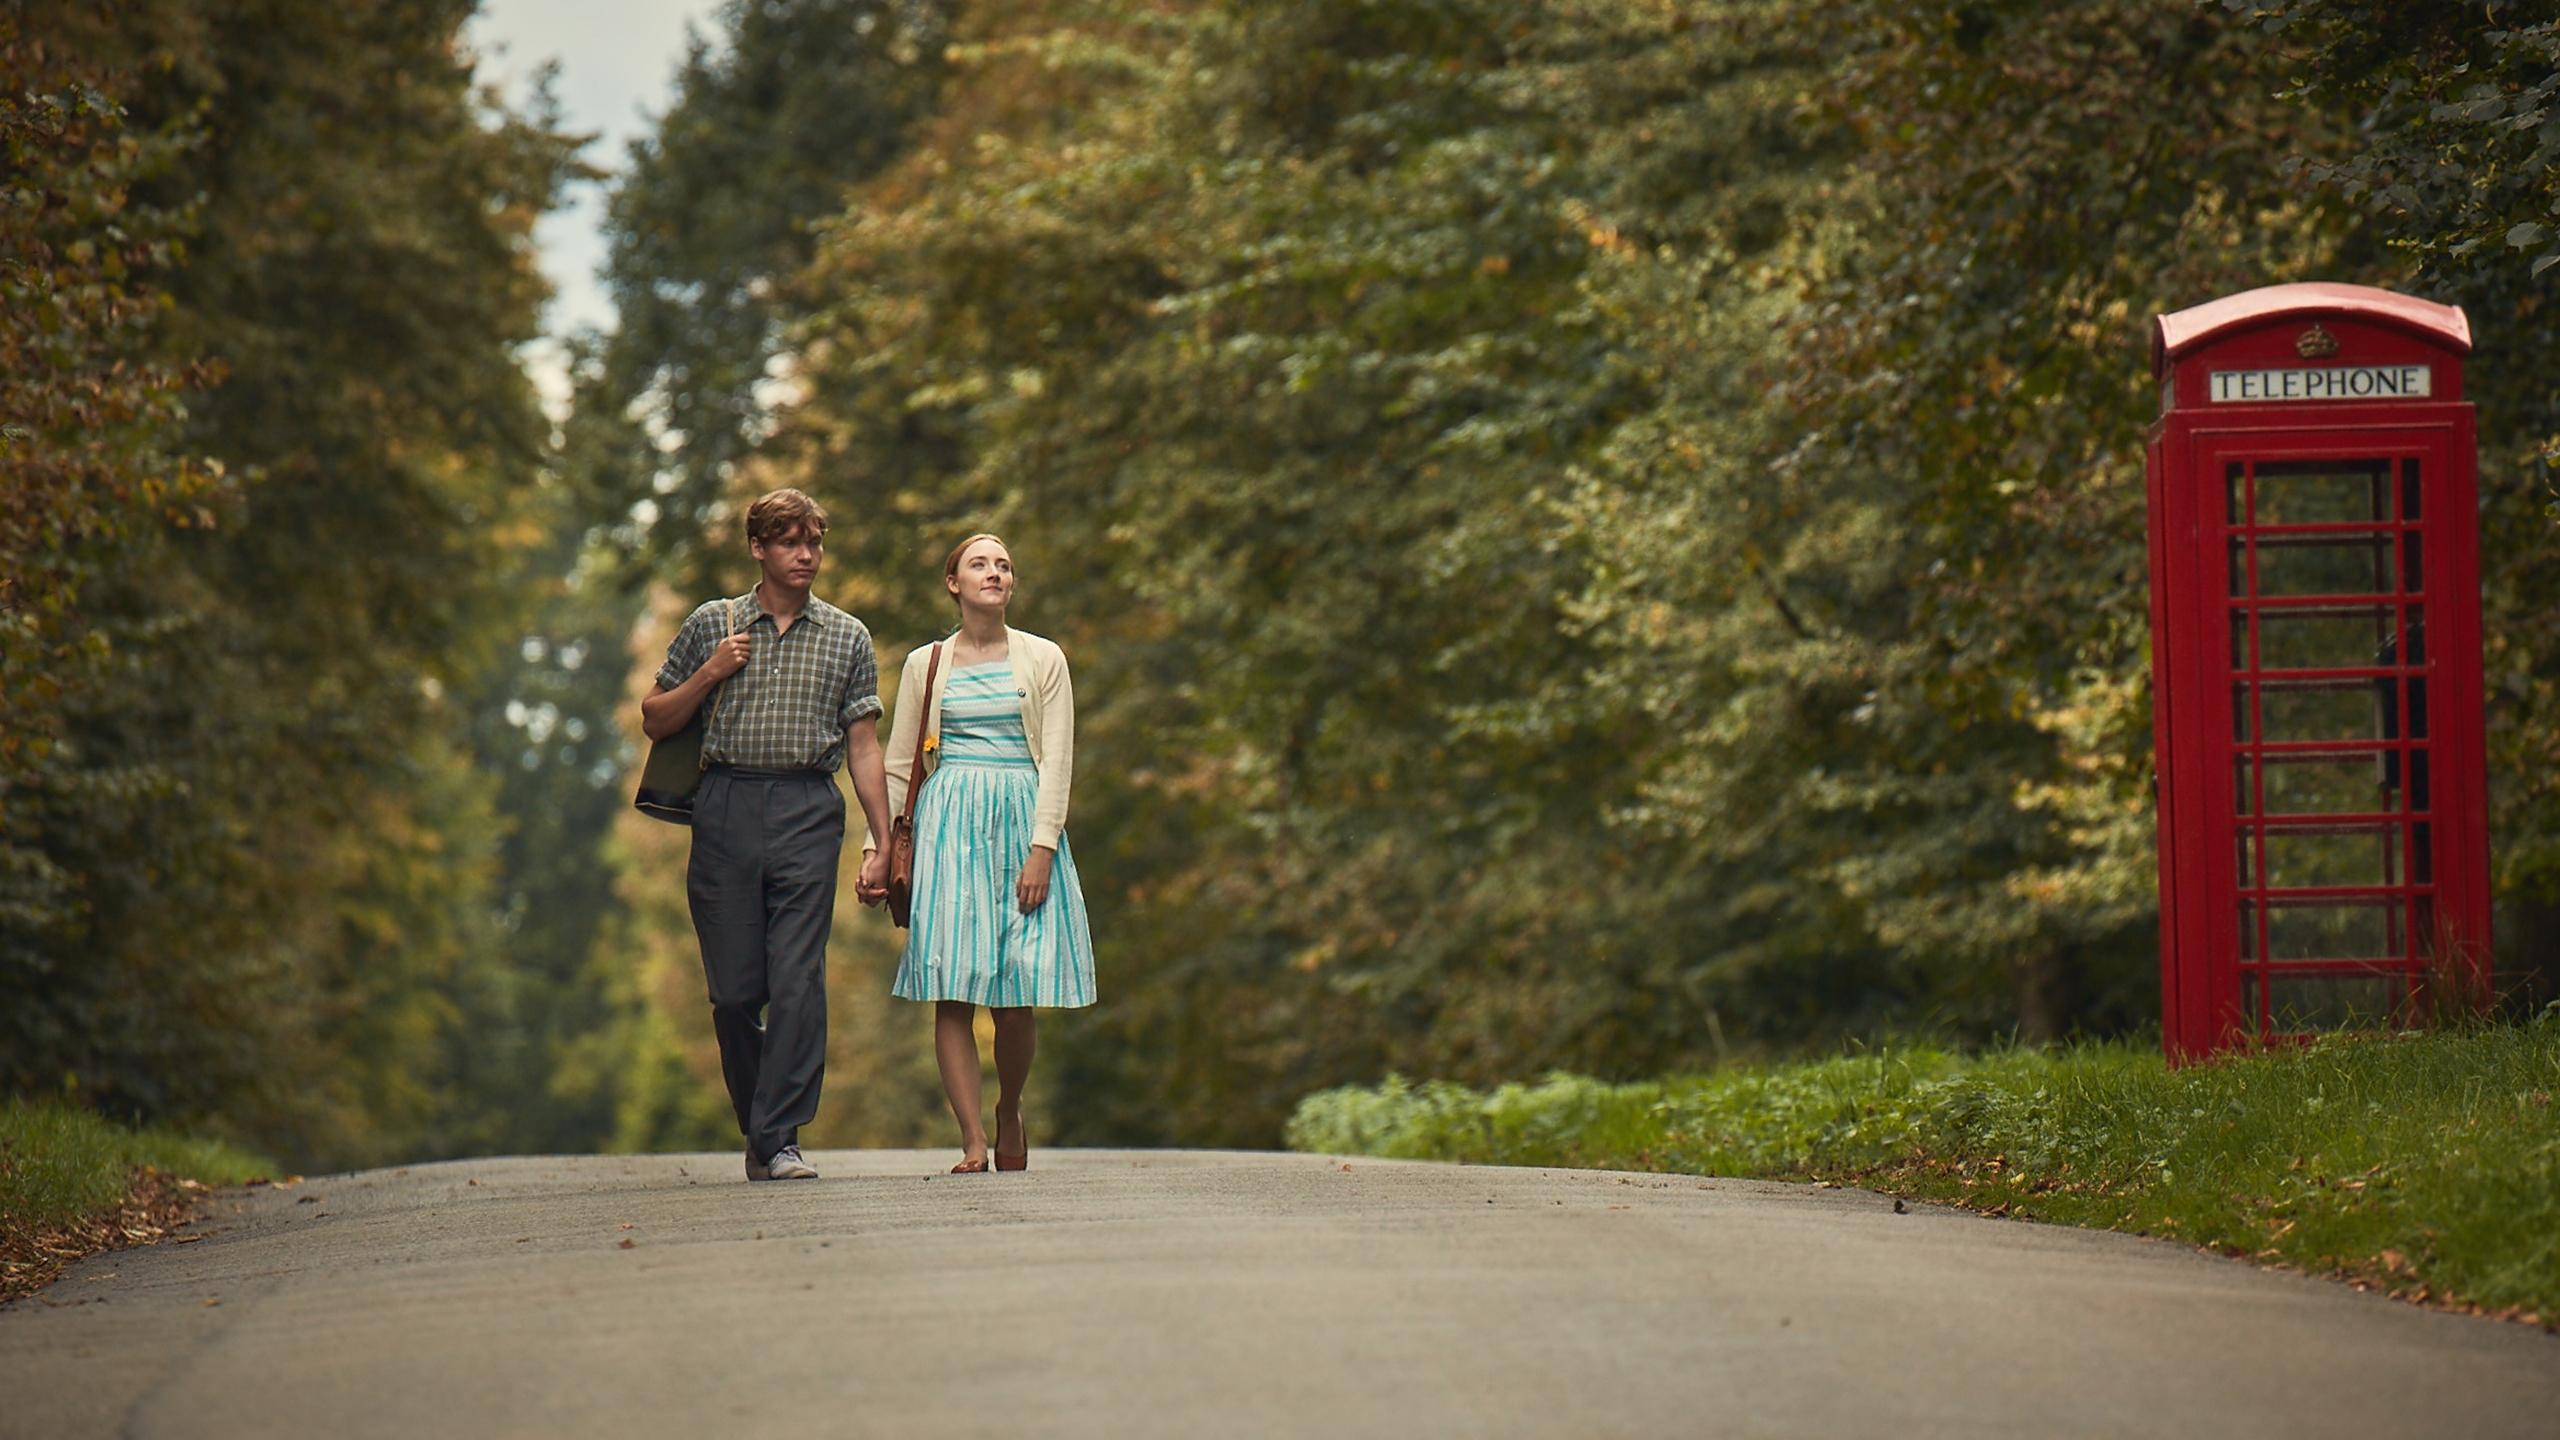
(902, 831)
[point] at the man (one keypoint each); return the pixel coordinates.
(793, 693)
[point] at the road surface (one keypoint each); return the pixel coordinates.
(1171, 1293)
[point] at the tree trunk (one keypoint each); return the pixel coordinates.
(2527, 955)
(2047, 996)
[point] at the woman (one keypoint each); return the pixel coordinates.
(997, 917)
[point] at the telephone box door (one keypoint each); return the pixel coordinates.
(2324, 576)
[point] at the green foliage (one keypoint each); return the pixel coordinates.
(1589, 537)
(59, 1162)
(89, 411)
(2459, 155)
(275, 856)
(2033, 183)
(798, 100)
(1272, 339)
(2429, 1164)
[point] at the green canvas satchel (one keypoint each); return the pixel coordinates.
(673, 770)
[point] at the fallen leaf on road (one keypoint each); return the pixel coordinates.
(308, 1200)
(626, 1243)
(1901, 1209)
(212, 1300)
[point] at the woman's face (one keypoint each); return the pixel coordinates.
(984, 578)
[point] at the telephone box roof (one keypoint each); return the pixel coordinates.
(2174, 335)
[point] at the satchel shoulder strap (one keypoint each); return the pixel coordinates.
(915, 771)
(730, 612)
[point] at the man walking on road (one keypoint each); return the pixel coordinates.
(793, 692)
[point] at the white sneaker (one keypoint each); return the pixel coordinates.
(786, 1164)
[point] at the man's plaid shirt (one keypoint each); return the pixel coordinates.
(789, 708)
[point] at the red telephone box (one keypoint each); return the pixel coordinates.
(2315, 664)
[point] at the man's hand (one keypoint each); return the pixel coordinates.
(727, 658)
(1031, 888)
(871, 885)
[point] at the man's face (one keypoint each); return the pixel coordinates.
(791, 558)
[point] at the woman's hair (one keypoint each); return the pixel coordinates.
(780, 513)
(951, 562)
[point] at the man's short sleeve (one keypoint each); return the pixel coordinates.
(692, 645)
(861, 681)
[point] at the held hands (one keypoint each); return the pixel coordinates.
(1032, 888)
(727, 658)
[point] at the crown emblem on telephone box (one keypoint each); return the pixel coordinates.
(2315, 343)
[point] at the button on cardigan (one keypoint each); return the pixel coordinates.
(1048, 722)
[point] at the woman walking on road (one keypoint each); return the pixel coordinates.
(998, 918)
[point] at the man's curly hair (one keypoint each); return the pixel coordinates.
(780, 514)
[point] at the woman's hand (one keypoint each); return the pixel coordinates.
(1031, 889)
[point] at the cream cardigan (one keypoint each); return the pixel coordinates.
(1048, 721)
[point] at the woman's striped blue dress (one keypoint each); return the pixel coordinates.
(968, 939)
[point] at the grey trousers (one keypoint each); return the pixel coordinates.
(762, 884)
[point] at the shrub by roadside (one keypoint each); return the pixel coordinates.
(2427, 1165)
(72, 1184)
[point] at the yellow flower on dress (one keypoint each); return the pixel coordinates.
(932, 743)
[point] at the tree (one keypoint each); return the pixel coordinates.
(800, 100)
(1279, 336)
(90, 412)
(279, 856)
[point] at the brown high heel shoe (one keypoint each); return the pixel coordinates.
(972, 1167)
(1018, 1160)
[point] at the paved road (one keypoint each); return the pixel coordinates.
(1203, 1294)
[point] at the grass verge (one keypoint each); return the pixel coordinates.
(72, 1184)
(2426, 1165)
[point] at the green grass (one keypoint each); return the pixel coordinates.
(59, 1164)
(2427, 1164)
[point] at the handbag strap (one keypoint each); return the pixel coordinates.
(915, 774)
(720, 699)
